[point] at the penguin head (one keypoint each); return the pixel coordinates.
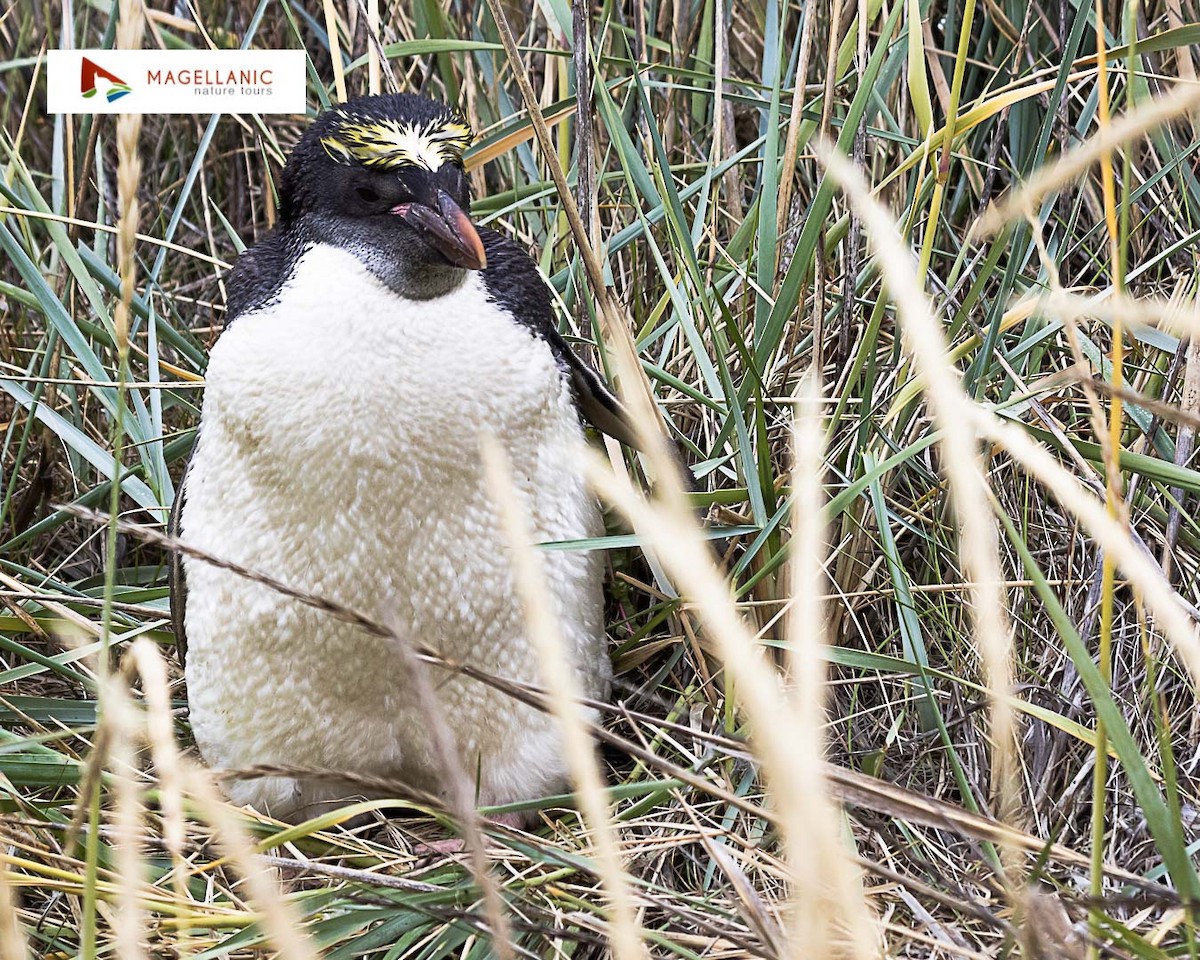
(382, 177)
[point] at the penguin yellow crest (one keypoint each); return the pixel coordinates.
(385, 144)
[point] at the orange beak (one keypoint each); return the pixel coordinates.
(447, 229)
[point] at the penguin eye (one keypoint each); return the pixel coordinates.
(455, 183)
(367, 195)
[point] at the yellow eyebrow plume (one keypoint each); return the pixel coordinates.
(387, 144)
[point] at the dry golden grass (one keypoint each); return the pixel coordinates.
(936, 388)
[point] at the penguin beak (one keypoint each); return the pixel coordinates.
(447, 229)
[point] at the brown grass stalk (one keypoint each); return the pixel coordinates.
(792, 145)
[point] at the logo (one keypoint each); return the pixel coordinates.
(94, 79)
(176, 81)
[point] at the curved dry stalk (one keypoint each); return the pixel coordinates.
(461, 795)
(277, 916)
(633, 383)
(979, 547)
(1023, 201)
(676, 539)
(564, 692)
(1178, 316)
(1144, 574)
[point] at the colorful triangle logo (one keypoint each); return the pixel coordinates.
(112, 86)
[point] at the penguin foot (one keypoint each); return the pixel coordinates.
(452, 845)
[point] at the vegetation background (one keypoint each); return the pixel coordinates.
(1007, 712)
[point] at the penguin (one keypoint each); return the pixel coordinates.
(370, 338)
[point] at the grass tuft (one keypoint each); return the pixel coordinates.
(935, 693)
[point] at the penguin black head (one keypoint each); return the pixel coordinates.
(383, 178)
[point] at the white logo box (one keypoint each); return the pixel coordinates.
(175, 81)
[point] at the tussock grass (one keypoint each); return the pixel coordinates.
(934, 696)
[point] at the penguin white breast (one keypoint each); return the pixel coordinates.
(338, 452)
